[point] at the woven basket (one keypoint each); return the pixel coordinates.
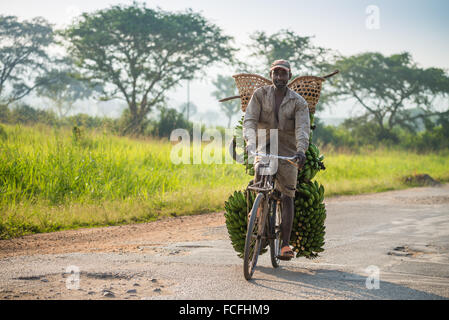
(246, 84)
(309, 87)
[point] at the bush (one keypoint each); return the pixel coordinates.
(431, 140)
(3, 134)
(337, 137)
(23, 113)
(169, 120)
(358, 133)
(84, 120)
(4, 113)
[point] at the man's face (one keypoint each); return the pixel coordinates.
(280, 77)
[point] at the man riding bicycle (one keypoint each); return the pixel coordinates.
(277, 107)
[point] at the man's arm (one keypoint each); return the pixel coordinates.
(252, 115)
(302, 125)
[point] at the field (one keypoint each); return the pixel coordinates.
(51, 179)
(377, 171)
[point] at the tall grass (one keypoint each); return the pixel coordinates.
(53, 179)
(381, 170)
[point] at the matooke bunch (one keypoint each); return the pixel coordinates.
(308, 229)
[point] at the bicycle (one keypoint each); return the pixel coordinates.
(260, 229)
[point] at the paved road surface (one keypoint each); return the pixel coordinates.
(401, 236)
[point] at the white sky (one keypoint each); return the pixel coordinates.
(420, 27)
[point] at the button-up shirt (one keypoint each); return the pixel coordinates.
(293, 122)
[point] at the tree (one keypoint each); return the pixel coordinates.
(64, 88)
(140, 53)
(225, 87)
(188, 109)
(304, 57)
(385, 86)
(169, 120)
(23, 113)
(23, 56)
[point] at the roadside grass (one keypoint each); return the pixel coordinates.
(380, 170)
(52, 179)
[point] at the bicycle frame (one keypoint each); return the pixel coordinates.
(266, 186)
(265, 229)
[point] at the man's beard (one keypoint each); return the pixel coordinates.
(280, 85)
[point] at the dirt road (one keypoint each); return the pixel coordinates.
(392, 245)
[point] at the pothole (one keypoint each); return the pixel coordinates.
(163, 251)
(29, 278)
(407, 251)
(194, 246)
(106, 276)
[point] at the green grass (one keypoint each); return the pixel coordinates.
(378, 171)
(49, 180)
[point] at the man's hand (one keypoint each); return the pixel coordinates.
(301, 159)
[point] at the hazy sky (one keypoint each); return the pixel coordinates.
(420, 27)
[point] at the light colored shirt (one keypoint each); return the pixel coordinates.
(293, 125)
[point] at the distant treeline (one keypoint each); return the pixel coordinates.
(169, 120)
(351, 135)
(358, 134)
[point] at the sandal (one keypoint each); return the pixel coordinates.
(286, 253)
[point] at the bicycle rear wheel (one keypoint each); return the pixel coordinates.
(253, 241)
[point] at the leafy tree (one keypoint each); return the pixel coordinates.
(84, 120)
(170, 119)
(386, 86)
(225, 87)
(188, 109)
(23, 113)
(64, 88)
(443, 121)
(23, 56)
(304, 57)
(140, 53)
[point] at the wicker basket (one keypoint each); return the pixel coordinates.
(246, 84)
(309, 87)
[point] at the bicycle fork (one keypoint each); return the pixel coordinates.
(277, 227)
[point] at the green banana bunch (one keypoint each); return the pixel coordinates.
(249, 167)
(308, 230)
(313, 164)
(236, 216)
(307, 237)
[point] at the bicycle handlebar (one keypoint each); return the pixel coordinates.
(273, 156)
(289, 159)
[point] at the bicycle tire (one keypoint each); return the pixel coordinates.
(275, 244)
(253, 243)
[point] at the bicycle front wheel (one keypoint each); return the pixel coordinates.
(275, 244)
(253, 241)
